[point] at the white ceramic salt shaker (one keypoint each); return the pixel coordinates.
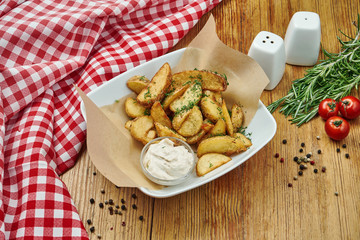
(302, 39)
(268, 50)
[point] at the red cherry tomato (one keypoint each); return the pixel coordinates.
(337, 128)
(328, 108)
(350, 107)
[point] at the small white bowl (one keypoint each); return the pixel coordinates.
(166, 182)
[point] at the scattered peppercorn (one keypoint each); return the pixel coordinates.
(338, 150)
(276, 155)
(319, 151)
(88, 221)
(301, 150)
(296, 158)
(141, 218)
(284, 141)
(92, 229)
(99, 236)
(133, 196)
(336, 194)
(281, 159)
(344, 145)
(94, 173)
(315, 170)
(117, 206)
(323, 169)
(134, 206)
(318, 137)
(298, 161)
(312, 162)
(289, 184)
(302, 167)
(101, 205)
(110, 208)
(308, 155)
(102, 191)
(111, 202)
(92, 201)
(106, 202)
(124, 224)
(300, 173)
(123, 207)
(122, 201)
(120, 213)
(302, 144)
(116, 211)
(295, 177)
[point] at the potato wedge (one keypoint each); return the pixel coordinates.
(174, 94)
(226, 115)
(134, 109)
(220, 144)
(205, 128)
(128, 124)
(192, 124)
(209, 162)
(237, 117)
(179, 118)
(158, 114)
(163, 131)
(190, 98)
(137, 83)
(140, 128)
(247, 142)
(216, 96)
(210, 109)
(209, 80)
(157, 87)
(219, 129)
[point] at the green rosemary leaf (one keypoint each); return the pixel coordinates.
(334, 77)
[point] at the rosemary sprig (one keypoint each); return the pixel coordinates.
(333, 77)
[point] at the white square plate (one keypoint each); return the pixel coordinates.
(262, 127)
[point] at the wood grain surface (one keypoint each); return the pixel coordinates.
(253, 201)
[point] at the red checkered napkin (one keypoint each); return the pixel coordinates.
(46, 47)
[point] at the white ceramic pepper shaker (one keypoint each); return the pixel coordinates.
(268, 50)
(302, 39)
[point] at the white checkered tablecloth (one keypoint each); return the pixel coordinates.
(46, 47)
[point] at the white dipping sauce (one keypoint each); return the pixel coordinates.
(165, 161)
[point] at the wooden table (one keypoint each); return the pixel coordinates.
(254, 200)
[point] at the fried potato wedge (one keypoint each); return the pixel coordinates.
(158, 114)
(128, 124)
(208, 80)
(210, 108)
(140, 128)
(192, 124)
(209, 162)
(247, 142)
(137, 83)
(219, 129)
(190, 98)
(179, 118)
(205, 128)
(237, 117)
(174, 94)
(225, 113)
(226, 145)
(157, 87)
(163, 131)
(134, 109)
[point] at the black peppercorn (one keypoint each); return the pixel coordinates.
(92, 201)
(338, 150)
(106, 202)
(123, 207)
(102, 191)
(111, 202)
(308, 155)
(300, 173)
(101, 205)
(88, 221)
(92, 229)
(295, 159)
(117, 206)
(302, 167)
(94, 173)
(347, 155)
(133, 196)
(141, 218)
(134, 206)
(301, 150)
(315, 170)
(284, 141)
(344, 145)
(122, 201)
(319, 151)
(302, 144)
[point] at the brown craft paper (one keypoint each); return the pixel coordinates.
(117, 155)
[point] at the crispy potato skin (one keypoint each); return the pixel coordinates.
(134, 109)
(192, 124)
(157, 87)
(140, 128)
(164, 131)
(237, 117)
(209, 80)
(158, 114)
(210, 161)
(226, 145)
(225, 113)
